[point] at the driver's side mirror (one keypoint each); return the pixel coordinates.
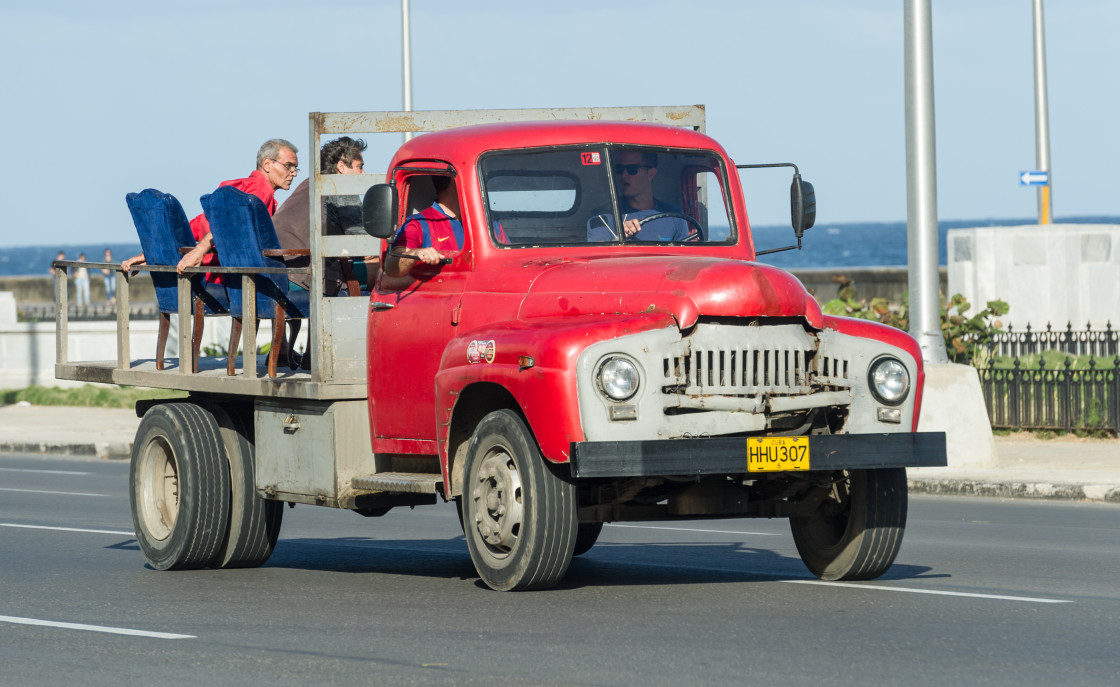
(379, 211)
(803, 205)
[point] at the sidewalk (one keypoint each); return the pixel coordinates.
(1066, 468)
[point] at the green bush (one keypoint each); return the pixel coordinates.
(967, 339)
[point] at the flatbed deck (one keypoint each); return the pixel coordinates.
(211, 378)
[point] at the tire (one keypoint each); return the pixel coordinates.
(586, 536)
(179, 487)
(519, 512)
(859, 538)
(254, 523)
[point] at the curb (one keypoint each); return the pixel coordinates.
(102, 450)
(1101, 493)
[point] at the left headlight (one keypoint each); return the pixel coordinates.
(889, 380)
(618, 378)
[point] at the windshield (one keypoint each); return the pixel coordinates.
(606, 194)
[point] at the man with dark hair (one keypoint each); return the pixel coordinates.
(277, 166)
(343, 214)
(342, 156)
(425, 235)
(634, 172)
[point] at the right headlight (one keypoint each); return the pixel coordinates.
(889, 380)
(618, 378)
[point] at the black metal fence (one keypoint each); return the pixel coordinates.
(1066, 396)
(1100, 343)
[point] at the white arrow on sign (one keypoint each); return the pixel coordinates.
(1035, 178)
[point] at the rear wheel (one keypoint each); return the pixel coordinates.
(856, 534)
(179, 487)
(519, 512)
(254, 523)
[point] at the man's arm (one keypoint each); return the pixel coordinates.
(409, 242)
(127, 263)
(194, 257)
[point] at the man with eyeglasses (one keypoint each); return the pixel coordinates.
(277, 166)
(634, 173)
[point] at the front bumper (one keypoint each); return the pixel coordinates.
(728, 456)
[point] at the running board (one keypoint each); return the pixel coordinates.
(400, 482)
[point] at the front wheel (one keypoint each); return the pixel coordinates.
(519, 512)
(857, 532)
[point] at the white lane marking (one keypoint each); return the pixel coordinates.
(937, 592)
(687, 529)
(93, 628)
(66, 529)
(40, 491)
(45, 472)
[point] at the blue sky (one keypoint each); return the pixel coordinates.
(100, 99)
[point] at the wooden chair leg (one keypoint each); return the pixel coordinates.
(277, 338)
(161, 338)
(293, 332)
(196, 335)
(234, 336)
(353, 288)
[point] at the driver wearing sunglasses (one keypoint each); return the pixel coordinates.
(634, 172)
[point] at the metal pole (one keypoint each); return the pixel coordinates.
(921, 184)
(1041, 117)
(406, 61)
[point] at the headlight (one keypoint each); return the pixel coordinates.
(618, 378)
(889, 381)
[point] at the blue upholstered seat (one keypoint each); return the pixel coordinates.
(163, 229)
(242, 231)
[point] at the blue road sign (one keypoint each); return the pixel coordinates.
(1034, 178)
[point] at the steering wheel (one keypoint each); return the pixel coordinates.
(688, 218)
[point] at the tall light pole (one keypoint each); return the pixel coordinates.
(1041, 118)
(921, 184)
(406, 62)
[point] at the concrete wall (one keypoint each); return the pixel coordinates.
(870, 282)
(1055, 273)
(27, 349)
(36, 289)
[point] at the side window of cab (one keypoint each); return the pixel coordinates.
(431, 234)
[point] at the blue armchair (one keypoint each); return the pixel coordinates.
(164, 234)
(244, 237)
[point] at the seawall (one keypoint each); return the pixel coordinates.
(870, 282)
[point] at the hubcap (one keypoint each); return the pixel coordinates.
(159, 489)
(497, 503)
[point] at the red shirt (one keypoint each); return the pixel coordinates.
(257, 184)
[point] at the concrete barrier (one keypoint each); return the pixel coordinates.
(27, 349)
(36, 289)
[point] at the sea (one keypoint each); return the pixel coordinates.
(825, 246)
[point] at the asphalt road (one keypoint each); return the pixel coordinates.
(984, 592)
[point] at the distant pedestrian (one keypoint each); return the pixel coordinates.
(81, 282)
(56, 272)
(110, 277)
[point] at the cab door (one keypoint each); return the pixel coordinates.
(411, 320)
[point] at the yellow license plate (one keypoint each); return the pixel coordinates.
(777, 454)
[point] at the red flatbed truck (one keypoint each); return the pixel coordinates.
(554, 374)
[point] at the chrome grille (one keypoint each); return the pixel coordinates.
(732, 360)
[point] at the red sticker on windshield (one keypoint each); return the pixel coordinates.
(590, 158)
